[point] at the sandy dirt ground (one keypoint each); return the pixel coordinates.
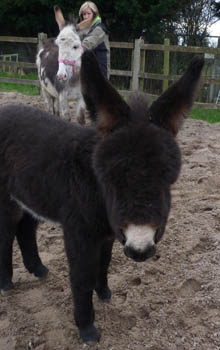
(172, 303)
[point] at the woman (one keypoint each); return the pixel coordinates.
(96, 37)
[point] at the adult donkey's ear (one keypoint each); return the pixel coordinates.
(84, 25)
(59, 17)
(112, 111)
(172, 107)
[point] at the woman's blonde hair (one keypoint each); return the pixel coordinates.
(91, 6)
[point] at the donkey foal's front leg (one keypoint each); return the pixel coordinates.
(83, 266)
(102, 289)
(84, 315)
(83, 280)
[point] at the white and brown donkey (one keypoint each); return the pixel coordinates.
(58, 64)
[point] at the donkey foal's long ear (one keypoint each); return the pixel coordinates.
(112, 110)
(59, 17)
(170, 109)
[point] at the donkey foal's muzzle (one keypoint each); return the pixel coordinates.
(140, 256)
(140, 242)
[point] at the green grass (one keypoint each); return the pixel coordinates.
(30, 90)
(25, 89)
(208, 115)
(31, 76)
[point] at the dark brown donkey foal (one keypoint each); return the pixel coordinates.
(108, 181)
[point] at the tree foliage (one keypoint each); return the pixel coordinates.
(26, 18)
(125, 19)
(193, 22)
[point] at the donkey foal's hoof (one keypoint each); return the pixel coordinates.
(89, 334)
(41, 272)
(6, 287)
(104, 294)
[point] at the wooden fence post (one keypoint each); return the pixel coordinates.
(42, 37)
(15, 69)
(3, 66)
(142, 65)
(166, 64)
(214, 88)
(136, 65)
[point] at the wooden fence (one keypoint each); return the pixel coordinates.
(13, 57)
(137, 74)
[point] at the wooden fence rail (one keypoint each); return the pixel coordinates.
(137, 74)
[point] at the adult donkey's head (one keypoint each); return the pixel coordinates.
(69, 45)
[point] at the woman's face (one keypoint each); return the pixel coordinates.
(87, 14)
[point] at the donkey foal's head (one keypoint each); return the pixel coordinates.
(137, 159)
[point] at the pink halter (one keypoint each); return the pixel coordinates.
(71, 63)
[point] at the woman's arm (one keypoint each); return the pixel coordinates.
(95, 38)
